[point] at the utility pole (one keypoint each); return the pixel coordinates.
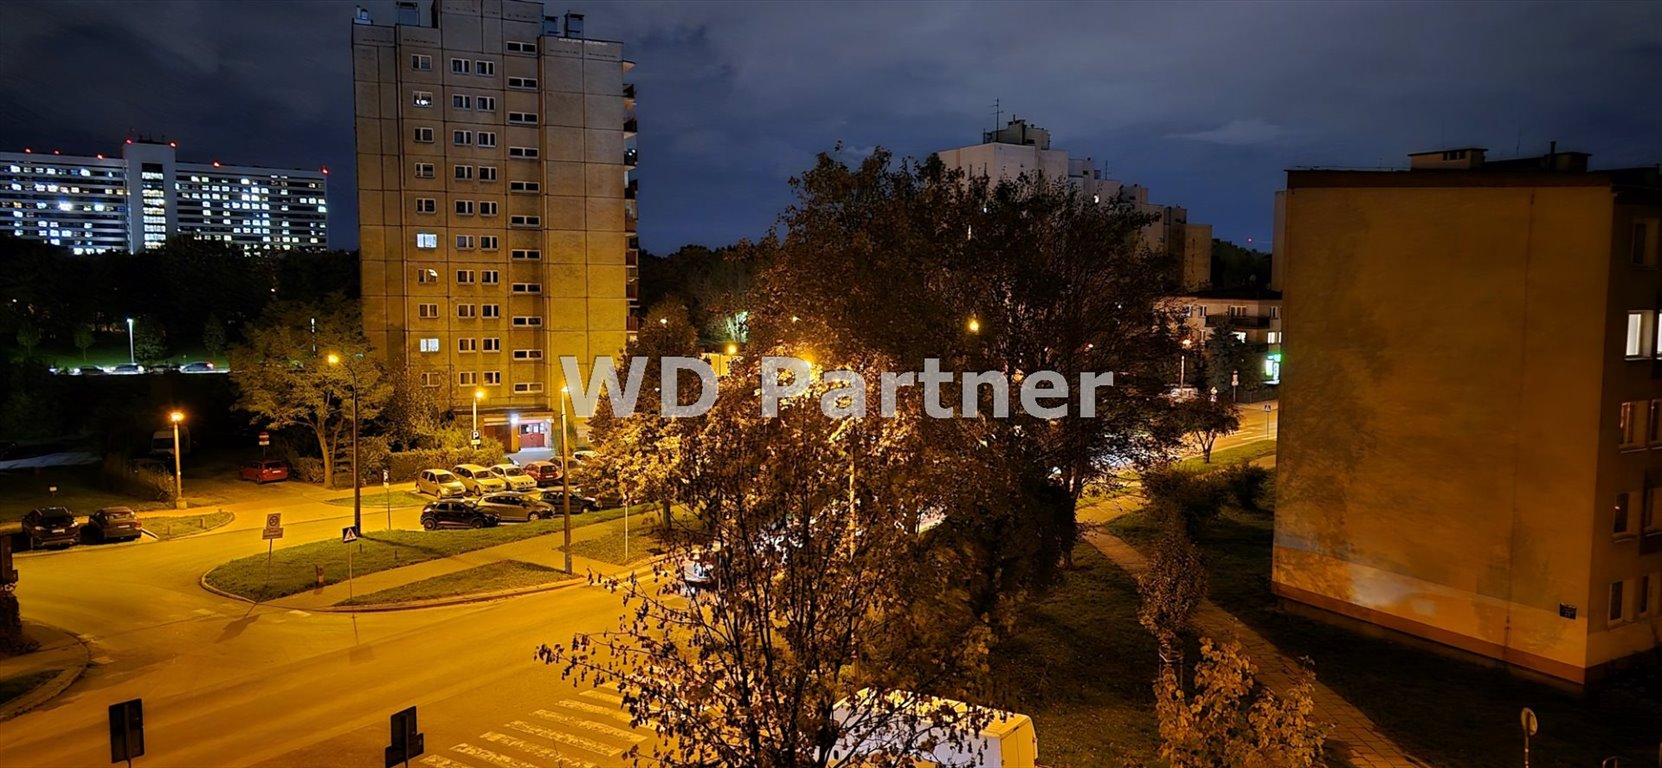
(565, 472)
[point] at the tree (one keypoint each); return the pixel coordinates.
(213, 336)
(149, 340)
(1229, 721)
(800, 522)
(283, 382)
(412, 415)
(1231, 365)
(28, 337)
(1202, 421)
(83, 340)
(1171, 587)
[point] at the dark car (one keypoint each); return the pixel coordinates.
(51, 527)
(515, 507)
(90, 370)
(114, 524)
(555, 497)
(265, 471)
(198, 368)
(546, 473)
(455, 514)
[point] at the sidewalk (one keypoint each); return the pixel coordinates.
(1353, 733)
(59, 651)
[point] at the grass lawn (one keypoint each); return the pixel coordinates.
(1083, 669)
(379, 500)
(174, 526)
(643, 544)
(1256, 449)
(1447, 711)
(505, 574)
(17, 686)
(23, 490)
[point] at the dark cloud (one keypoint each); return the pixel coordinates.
(1203, 102)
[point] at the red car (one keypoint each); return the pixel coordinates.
(547, 473)
(265, 471)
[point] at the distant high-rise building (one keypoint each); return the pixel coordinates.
(1471, 434)
(496, 202)
(1023, 148)
(86, 203)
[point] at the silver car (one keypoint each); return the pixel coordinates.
(514, 476)
(440, 484)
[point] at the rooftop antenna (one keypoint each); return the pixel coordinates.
(998, 115)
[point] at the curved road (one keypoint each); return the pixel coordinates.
(227, 683)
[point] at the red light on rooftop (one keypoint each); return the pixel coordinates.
(28, 151)
(100, 155)
(216, 163)
(173, 144)
(56, 152)
(325, 170)
(129, 141)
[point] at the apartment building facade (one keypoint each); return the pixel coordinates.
(497, 202)
(1023, 148)
(1253, 316)
(136, 201)
(1471, 434)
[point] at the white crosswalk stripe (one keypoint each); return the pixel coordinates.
(440, 761)
(610, 698)
(593, 709)
(562, 737)
(493, 758)
(589, 725)
(552, 755)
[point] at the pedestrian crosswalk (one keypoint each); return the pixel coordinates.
(588, 730)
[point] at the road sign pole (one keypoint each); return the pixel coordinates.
(349, 572)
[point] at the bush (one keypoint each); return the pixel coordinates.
(140, 481)
(1243, 483)
(405, 465)
(1193, 499)
(307, 469)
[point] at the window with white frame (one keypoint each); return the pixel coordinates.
(515, 46)
(527, 387)
(520, 220)
(523, 83)
(424, 170)
(484, 103)
(464, 277)
(424, 135)
(486, 139)
(432, 379)
(464, 242)
(490, 277)
(488, 242)
(487, 207)
(522, 118)
(524, 186)
(467, 378)
(528, 321)
(487, 173)
(430, 344)
(527, 288)
(423, 99)
(461, 101)
(493, 378)
(427, 311)
(1641, 326)
(463, 172)
(524, 153)
(490, 311)
(427, 240)
(461, 138)
(461, 66)
(465, 311)
(467, 344)
(427, 276)
(421, 62)
(484, 68)
(426, 205)
(1629, 424)
(526, 254)
(464, 207)
(527, 354)
(493, 344)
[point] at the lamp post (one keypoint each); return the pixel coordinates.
(178, 468)
(131, 359)
(478, 394)
(1183, 364)
(357, 484)
(565, 472)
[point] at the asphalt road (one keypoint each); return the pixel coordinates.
(225, 683)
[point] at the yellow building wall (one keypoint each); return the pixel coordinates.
(1440, 417)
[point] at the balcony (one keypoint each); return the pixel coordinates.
(631, 189)
(630, 156)
(628, 90)
(632, 257)
(633, 291)
(631, 219)
(629, 127)
(634, 324)
(1241, 322)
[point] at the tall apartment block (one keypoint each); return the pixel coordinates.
(1021, 147)
(137, 201)
(496, 202)
(1471, 431)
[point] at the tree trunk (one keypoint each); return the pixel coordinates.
(328, 457)
(664, 506)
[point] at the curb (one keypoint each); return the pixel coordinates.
(46, 692)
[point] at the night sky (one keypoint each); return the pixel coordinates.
(1204, 103)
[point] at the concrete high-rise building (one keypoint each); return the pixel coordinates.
(1023, 148)
(497, 204)
(1471, 431)
(86, 203)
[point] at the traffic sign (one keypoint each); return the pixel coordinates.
(265, 439)
(407, 741)
(271, 533)
(348, 534)
(273, 526)
(126, 731)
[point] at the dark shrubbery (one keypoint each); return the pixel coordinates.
(1196, 498)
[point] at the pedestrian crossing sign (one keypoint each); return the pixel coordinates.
(348, 534)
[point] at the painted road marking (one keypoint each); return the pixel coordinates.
(439, 761)
(494, 758)
(102, 660)
(298, 612)
(566, 738)
(603, 696)
(539, 750)
(589, 725)
(593, 709)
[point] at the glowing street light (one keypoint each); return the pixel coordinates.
(130, 358)
(732, 349)
(973, 325)
(1183, 363)
(357, 484)
(478, 394)
(178, 468)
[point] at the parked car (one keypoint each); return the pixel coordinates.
(265, 471)
(514, 476)
(203, 367)
(440, 484)
(455, 514)
(162, 368)
(546, 473)
(128, 369)
(555, 497)
(51, 527)
(89, 370)
(478, 480)
(114, 524)
(515, 507)
(582, 457)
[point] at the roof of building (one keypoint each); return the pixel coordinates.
(1247, 292)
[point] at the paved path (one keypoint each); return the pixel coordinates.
(1356, 736)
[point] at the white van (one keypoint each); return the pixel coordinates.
(1005, 740)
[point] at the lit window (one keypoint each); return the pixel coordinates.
(423, 98)
(430, 345)
(427, 240)
(421, 62)
(1639, 330)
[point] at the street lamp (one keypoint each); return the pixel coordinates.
(357, 484)
(1183, 364)
(131, 359)
(478, 394)
(565, 471)
(973, 325)
(178, 468)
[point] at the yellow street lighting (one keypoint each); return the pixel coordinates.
(973, 325)
(732, 349)
(663, 321)
(333, 359)
(357, 480)
(176, 417)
